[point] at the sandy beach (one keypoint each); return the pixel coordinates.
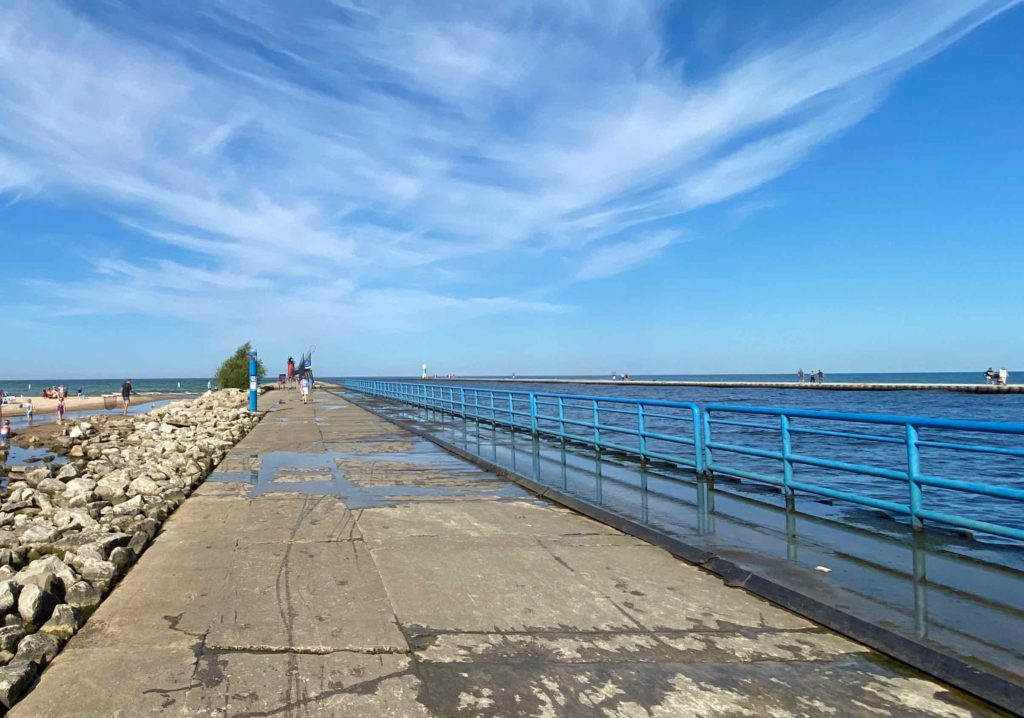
(17, 404)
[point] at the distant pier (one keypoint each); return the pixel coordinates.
(825, 386)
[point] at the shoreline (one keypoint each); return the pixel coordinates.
(74, 404)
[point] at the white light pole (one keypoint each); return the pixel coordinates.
(424, 375)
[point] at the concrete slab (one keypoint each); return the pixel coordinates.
(852, 686)
(306, 597)
(584, 588)
(340, 685)
(478, 519)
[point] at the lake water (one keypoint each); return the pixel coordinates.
(93, 387)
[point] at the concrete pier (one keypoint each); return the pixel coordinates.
(337, 565)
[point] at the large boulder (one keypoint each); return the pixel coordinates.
(63, 623)
(42, 570)
(84, 596)
(15, 679)
(144, 486)
(9, 591)
(35, 605)
(39, 648)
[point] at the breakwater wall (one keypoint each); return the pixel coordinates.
(826, 386)
(73, 524)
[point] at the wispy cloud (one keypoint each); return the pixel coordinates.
(347, 145)
(618, 257)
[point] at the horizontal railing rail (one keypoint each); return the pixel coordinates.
(762, 444)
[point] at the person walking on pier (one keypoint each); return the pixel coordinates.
(800, 376)
(1003, 377)
(304, 389)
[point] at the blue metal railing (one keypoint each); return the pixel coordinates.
(663, 430)
(764, 445)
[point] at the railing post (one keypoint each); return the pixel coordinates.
(561, 418)
(708, 455)
(494, 414)
(787, 462)
(511, 411)
(462, 399)
(913, 472)
(597, 430)
(640, 430)
(698, 442)
(533, 413)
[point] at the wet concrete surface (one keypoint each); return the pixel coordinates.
(964, 598)
(337, 565)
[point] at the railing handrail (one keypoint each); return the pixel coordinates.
(588, 428)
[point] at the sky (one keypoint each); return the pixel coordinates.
(511, 187)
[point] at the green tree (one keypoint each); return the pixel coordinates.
(234, 372)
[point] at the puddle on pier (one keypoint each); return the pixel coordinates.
(365, 479)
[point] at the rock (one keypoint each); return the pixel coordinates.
(76, 433)
(139, 542)
(38, 648)
(112, 487)
(35, 604)
(103, 572)
(15, 679)
(39, 533)
(63, 623)
(9, 591)
(12, 619)
(84, 596)
(50, 486)
(10, 637)
(122, 558)
(37, 572)
(144, 486)
(68, 471)
(79, 486)
(133, 505)
(32, 478)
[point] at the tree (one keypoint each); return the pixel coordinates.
(234, 372)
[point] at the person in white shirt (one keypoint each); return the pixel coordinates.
(1004, 376)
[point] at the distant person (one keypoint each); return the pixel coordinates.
(126, 394)
(29, 410)
(304, 389)
(800, 376)
(209, 385)
(5, 430)
(1003, 376)
(60, 410)
(821, 376)
(990, 376)
(80, 393)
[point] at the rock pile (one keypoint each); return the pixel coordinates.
(69, 531)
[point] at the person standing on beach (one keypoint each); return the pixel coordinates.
(126, 394)
(60, 409)
(29, 409)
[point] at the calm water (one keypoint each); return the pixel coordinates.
(93, 387)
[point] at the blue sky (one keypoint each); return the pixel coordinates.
(511, 187)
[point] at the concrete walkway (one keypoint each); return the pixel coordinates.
(339, 566)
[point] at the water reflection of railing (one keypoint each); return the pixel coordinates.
(736, 441)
